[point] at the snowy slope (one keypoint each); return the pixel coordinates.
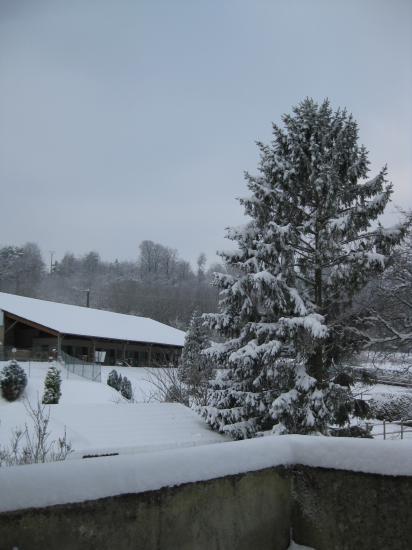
(98, 420)
(140, 378)
(83, 321)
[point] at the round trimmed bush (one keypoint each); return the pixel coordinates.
(13, 381)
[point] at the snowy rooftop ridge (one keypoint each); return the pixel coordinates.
(97, 323)
(40, 485)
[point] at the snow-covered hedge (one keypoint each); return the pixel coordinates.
(391, 406)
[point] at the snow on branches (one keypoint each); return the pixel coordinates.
(312, 241)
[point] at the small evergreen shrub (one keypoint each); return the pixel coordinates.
(13, 381)
(126, 388)
(114, 380)
(120, 383)
(52, 384)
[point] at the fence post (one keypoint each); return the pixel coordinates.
(384, 429)
(401, 429)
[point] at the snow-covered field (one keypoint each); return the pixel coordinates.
(159, 445)
(98, 420)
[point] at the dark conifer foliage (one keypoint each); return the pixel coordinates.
(52, 386)
(13, 381)
(193, 362)
(312, 242)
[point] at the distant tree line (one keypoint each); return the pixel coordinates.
(161, 285)
(157, 284)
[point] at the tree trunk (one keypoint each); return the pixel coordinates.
(316, 360)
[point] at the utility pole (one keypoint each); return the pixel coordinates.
(87, 291)
(51, 252)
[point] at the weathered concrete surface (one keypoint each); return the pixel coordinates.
(341, 510)
(243, 512)
(326, 509)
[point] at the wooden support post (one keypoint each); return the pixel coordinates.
(10, 327)
(59, 346)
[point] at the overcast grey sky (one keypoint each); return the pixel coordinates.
(124, 120)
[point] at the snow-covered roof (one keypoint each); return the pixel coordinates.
(96, 323)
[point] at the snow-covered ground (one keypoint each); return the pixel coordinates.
(75, 389)
(162, 445)
(98, 420)
(295, 546)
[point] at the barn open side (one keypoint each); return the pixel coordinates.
(41, 328)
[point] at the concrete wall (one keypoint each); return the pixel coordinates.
(325, 509)
(244, 512)
(344, 510)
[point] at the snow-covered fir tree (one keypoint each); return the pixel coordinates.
(52, 386)
(313, 240)
(195, 367)
(193, 360)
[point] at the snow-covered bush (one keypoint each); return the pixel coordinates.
(391, 406)
(52, 385)
(13, 381)
(121, 384)
(126, 388)
(114, 380)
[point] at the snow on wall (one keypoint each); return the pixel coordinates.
(40, 485)
(83, 321)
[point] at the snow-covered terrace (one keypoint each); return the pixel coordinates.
(40, 485)
(89, 322)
